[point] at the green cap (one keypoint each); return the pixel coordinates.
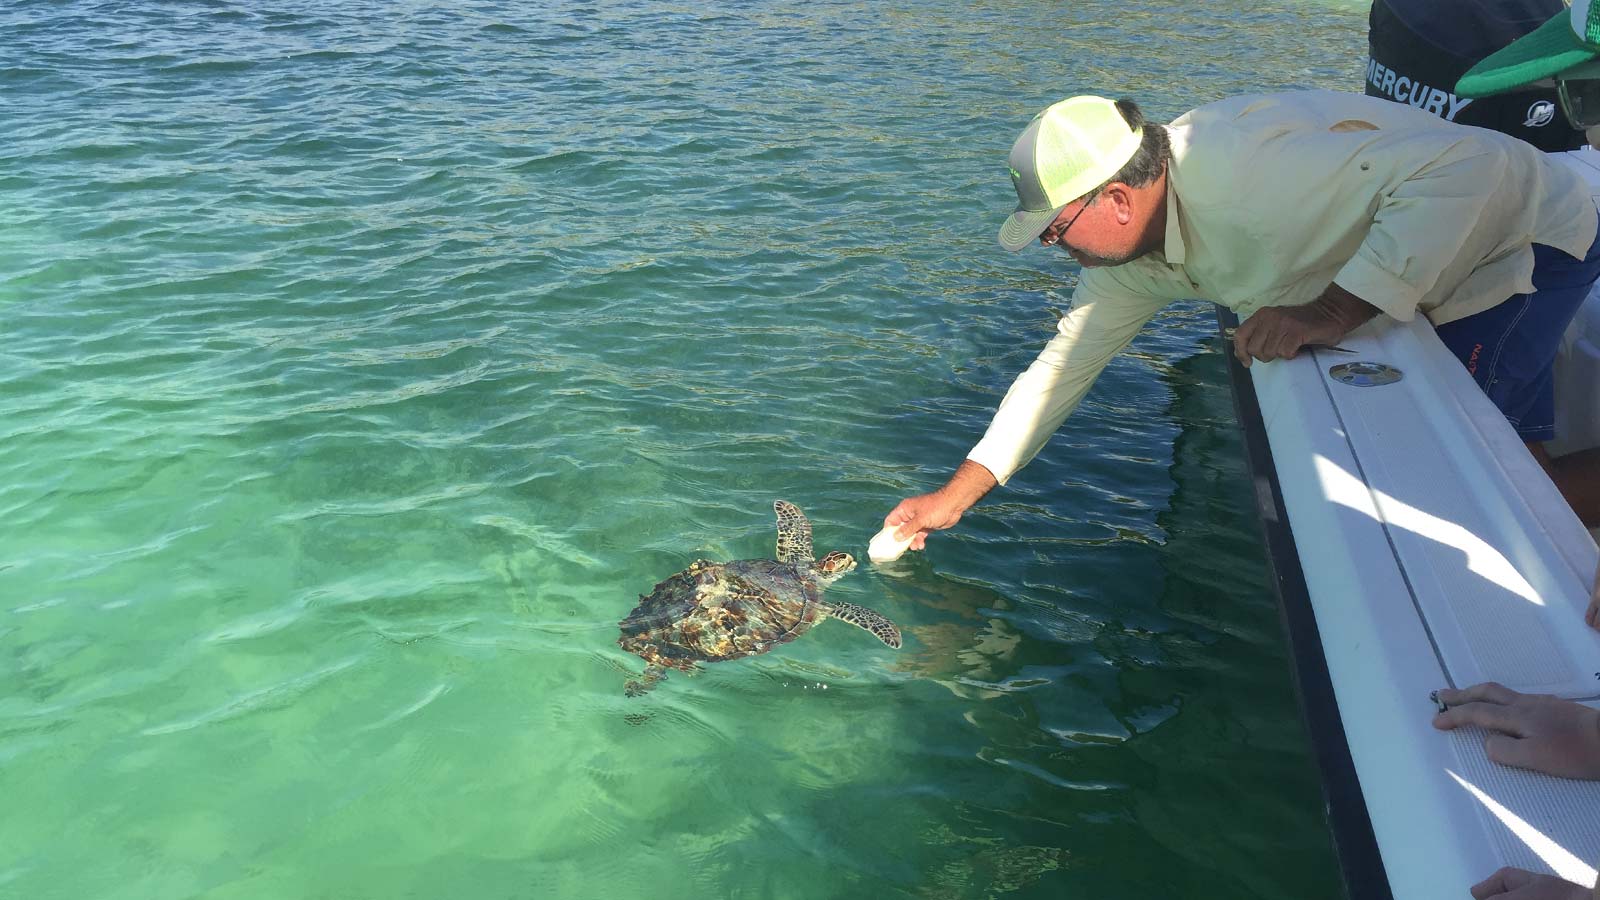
(1067, 151)
(1570, 37)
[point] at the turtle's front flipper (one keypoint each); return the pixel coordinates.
(861, 617)
(794, 534)
(652, 676)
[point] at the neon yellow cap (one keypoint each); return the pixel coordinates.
(1067, 151)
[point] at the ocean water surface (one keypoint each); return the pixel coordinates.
(363, 362)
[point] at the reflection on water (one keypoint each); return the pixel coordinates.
(1156, 718)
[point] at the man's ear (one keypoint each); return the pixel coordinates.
(1120, 196)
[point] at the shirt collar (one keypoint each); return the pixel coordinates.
(1175, 248)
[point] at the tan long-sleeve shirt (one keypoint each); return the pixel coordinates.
(1271, 197)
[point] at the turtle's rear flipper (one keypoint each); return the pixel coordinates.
(652, 676)
(861, 617)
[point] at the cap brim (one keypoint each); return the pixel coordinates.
(1024, 227)
(1541, 53)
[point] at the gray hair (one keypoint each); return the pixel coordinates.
(1150, 160)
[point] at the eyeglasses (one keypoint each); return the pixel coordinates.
(1580, 100)
(1579, 91)
(1052, 236)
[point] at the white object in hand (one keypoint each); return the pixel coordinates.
(885, 546)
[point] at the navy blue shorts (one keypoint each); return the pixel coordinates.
(1510, 349)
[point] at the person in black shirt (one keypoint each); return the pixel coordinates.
(1419, 48)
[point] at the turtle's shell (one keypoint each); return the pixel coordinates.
(715, 611)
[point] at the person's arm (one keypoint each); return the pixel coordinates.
(1420, 226)
(1109, 308)
(1278, 332)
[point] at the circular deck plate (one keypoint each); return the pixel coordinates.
(1365, 374)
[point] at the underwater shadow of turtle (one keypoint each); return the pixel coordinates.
(711, 612)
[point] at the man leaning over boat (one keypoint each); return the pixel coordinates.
(1306, 213)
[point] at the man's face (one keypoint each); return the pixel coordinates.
(1098, 230)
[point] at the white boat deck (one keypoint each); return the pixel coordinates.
(1437, 554)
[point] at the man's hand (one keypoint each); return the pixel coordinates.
(1278, 332)
(943, 508)
(922, 514)
(1592, 616)
(1531, 731)
(1520, 884)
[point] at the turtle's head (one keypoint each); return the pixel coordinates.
(833, 565)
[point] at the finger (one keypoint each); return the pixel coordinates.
(1492, 716)
(1510, 751)
(1269, 344)
(898, 514)
(1499, 883)
(1254, 341)
(920, 541)
(1279, 345)
(1239, 337)
(1592, 615)
(1485, 691)
(908, 529)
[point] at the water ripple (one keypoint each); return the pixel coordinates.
(274, 695)
(365, 362)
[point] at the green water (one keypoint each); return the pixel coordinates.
(363, 362)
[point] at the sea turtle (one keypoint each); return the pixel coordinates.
(710, 611)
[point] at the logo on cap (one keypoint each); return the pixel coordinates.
(1540, 114)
